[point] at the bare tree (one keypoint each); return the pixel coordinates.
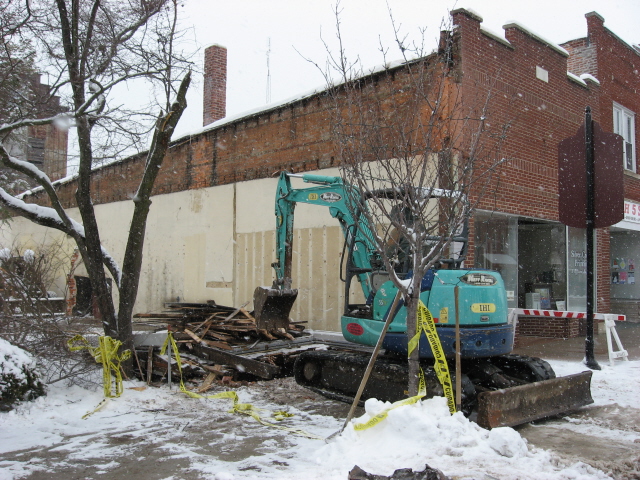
(89, 48)
(405, 129)
(31, 318)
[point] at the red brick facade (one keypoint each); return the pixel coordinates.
(525, 77)
(215, 84)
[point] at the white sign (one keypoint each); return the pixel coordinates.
(631, 212)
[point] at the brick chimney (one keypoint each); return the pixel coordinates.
(215, 84)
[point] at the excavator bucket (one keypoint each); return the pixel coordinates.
(271, 307)
(525, 403)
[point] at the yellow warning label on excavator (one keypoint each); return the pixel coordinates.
(313, 196)
(483, 307)
(444, 315)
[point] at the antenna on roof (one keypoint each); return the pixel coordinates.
(268, 73)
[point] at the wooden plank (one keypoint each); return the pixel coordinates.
(135, 354)
(149, 364)
(206, 385)
(254, 367)
(193, 335)
(220, 336)
(266, 334)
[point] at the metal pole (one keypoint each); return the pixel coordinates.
(590, 360)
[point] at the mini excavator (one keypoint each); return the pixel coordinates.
(498, 387)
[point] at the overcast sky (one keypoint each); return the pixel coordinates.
(295, 29)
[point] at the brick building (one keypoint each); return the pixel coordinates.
(43, 145)
(211, 228)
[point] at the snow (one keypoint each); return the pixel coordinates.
(588, 76)
(576, 78)
(29, 256)
(538, 37)
(494, 34)
(410, 437)
(12, 359)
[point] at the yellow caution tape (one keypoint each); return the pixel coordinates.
(376, 419)
(100, 405)
(242, 408)
(426, 324)
(106, 353)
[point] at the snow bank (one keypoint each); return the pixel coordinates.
(612, 384)
(13, 360)
(18, 377)
(425, 433)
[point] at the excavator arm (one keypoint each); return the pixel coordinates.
(272, 305)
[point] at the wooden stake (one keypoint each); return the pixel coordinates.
(456, 293)
(149, 364)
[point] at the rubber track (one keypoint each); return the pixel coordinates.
(341, 373)
(531, 369)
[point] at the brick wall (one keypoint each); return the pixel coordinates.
(548, 327)
(619, 75)
(496, 78)
(539, 114)
(215, 84)
(582, 57)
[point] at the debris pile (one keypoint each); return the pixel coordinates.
(216, 325)
(213, 341)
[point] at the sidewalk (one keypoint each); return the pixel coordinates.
(574, 348)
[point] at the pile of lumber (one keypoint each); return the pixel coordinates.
(215, 325)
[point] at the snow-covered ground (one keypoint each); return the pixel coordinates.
(158, 433)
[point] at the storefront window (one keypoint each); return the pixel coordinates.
(542, 281)
(577, 269)
(624, 257)
(496, 248)
(529, 254)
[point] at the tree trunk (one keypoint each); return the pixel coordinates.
(92, 254)
(132, 263)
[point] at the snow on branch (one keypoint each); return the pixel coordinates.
(48, 217)
(45, 216)
(26, 167)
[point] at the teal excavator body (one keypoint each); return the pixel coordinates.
(482, 302)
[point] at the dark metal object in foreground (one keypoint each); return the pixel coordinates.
(525, 403)
(590, 359)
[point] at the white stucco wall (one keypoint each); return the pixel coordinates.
(218, 244)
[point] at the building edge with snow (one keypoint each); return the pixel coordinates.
(211, 228)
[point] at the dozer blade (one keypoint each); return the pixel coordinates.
(525, 403)
(271, 307)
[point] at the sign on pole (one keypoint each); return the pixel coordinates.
(591, 195)
(608, 191)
